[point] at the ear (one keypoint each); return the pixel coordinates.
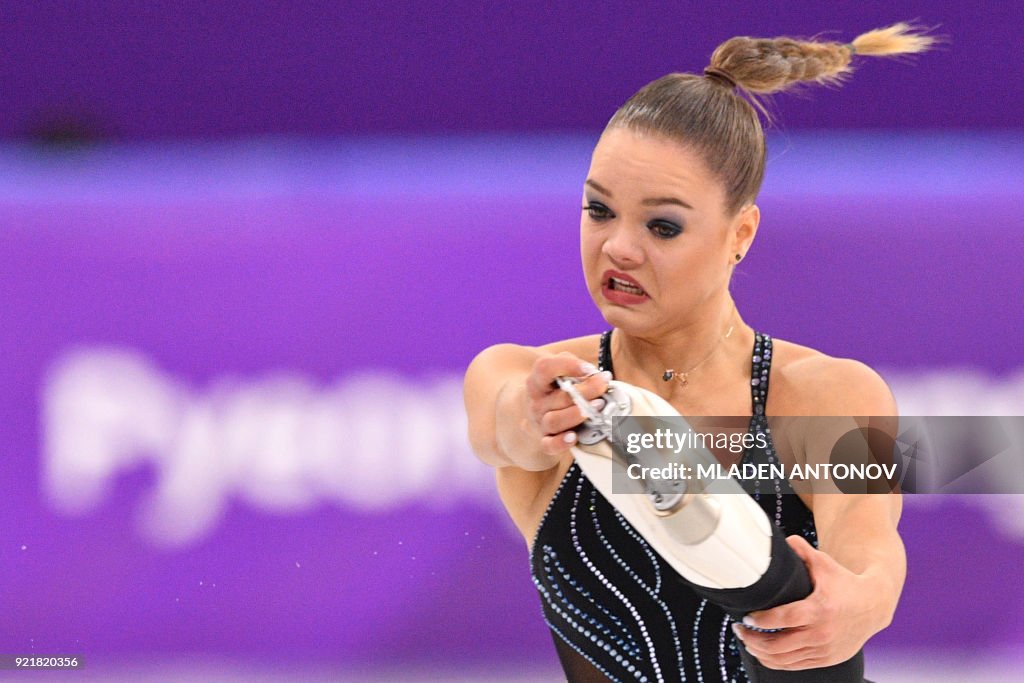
(744, 227)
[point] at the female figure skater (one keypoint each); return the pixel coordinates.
(668, 212)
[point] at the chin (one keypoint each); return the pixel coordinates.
(625, 319)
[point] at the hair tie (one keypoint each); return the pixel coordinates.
(720, 75)
(851, 47)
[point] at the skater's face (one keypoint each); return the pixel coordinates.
(656, 240)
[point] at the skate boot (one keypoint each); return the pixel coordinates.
(708, 530)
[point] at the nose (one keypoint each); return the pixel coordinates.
(623, 246)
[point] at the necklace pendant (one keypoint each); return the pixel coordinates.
(668, 375)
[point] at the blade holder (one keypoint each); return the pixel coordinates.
(666, 496)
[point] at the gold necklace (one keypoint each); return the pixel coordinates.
(684, 377)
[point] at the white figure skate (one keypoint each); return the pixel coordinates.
(711, 532)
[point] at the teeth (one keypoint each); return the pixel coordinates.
(627, 287)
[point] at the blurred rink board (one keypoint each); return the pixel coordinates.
(231, 422)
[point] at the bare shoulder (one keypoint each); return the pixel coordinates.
(806, 381)
(586, 347)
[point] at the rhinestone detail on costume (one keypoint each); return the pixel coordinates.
(613, 601)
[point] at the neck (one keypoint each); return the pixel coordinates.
(701, 342)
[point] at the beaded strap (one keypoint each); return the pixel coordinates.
(604, 355)
(761, 364)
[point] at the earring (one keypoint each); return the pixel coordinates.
(738, 257)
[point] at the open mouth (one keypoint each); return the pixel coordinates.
(620, 285)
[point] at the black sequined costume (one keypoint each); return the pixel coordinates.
(615, 608)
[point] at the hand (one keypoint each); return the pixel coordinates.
(827, 627)
(549, 409)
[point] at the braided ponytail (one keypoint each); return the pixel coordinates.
(705, 113)
(768, 65)
(898, 39)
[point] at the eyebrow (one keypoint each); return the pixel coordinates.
(652, 201)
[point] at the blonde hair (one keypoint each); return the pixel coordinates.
(769, 65)
(706, 113)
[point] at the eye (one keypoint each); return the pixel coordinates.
(598, 211)
(664, 229)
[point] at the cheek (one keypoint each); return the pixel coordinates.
(685, 272)
(590, 246)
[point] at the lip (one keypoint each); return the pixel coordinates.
(616, 296)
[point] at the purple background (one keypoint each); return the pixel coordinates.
(215, 252)
(160, 69)
(212, 275)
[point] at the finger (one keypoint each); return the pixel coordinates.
(591, 389)
(577, 367)
(791, 615)
(555, 400)
(546, 369)
(812, 660)
(801, 612)
(559, 401)
(594, 386)
(804, 550)
(789, 640)
(558, 421)
(804, 659)
(558, 443)
(813, 663)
